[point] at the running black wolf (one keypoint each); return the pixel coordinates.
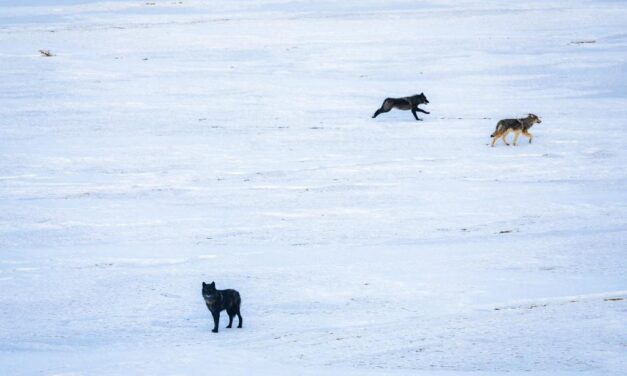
(405, 103)
(219, 300)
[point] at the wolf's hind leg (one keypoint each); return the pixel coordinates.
(239, 318)
(504, 138)
(495, 137)
(516, 135)
(231, 315)
(385, 107)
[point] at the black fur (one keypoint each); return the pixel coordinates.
(405, 103)
(220, 300)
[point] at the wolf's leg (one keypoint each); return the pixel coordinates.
(529, 135)
(231, 315)
(413, 112)
(216, 321)
(516, 135)
(239, 317)
(504, 137)
(494, 140)
(385, 107)
(423, 111)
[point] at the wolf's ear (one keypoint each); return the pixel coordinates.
(422, 93)
(204, 284)
(212, 284)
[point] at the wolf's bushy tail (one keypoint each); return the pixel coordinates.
(495, 130)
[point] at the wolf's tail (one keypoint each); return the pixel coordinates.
(496, 130)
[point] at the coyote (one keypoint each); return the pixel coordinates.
(405, 103)
(518, 126)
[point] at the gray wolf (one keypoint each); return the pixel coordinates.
(518, 126)
(405, 103)
(220, 300)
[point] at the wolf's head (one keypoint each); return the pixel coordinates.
(419, 99)
(209, 290)
(534, 119)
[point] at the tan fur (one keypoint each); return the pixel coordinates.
(516, 135)
(528, 135)
(504, 137)
(518, 126)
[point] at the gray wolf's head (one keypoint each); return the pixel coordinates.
(534, 118)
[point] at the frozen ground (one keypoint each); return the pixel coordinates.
(168, 144)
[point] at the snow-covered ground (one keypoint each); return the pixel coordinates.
(172, 143)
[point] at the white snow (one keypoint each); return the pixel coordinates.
(166, 145)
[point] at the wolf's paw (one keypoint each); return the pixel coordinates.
(214, 331)
(228, 326)
(426, 112)
(239, 326)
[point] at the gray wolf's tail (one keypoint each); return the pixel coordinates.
(495, 130)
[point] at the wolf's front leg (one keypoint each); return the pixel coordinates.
(516, 134)
(423, 111)
(413, 112)
(529, 135)
(216, 321)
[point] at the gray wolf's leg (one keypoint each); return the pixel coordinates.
(516, 135)
(529, 135)
(504, 137)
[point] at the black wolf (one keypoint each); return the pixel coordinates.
(518, 126)
(219, 300)
(405, 103)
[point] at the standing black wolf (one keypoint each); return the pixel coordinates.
(405, 103)
(219, 300)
